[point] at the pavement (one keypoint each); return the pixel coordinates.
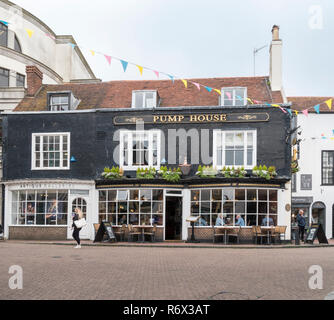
(54, 270)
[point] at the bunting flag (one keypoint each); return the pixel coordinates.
(290, 112)
(240, 98)
(329, 103)
(296, 112)
(197, 85)
(92, 52)
(30, 32)
(208, 88)
(4, 22)
(108, 59)
(305, 112)
(228, 95)
(140, 68)
(156, 73)
(317, 108)
(171, 77)
(250, 100)
(185, 83)
(50, 36)
(72, 45)
(218, 91)
(124, 64)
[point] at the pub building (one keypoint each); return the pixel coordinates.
(59, 140)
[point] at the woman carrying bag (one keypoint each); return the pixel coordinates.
(78, 222)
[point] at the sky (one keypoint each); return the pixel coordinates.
(200, 39)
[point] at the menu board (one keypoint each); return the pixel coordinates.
(316, 231)
(105, 230)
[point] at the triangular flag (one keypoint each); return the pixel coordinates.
(296, 112)
(317, 108)
(240, 98)
(305, 112)
(171, 77)
(108, 58)
(92, 52)
(124, 64)
(329, 103)
(140, 69)
(197, 85)
(250, 100)
(30, 32)
(4, 22)
(256, 101)
(333, 132)
(332, 138)
(289, 110)
(283, 109)
(218, 91)
(275, 105)
(268, 104)
(228, 95)
(208, 88)
(185, 83)
(156, 73)
(72, 45)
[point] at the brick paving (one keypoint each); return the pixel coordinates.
(99, 272)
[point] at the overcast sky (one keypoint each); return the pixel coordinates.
(190, 38)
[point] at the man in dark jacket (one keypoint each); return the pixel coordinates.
(301, 224)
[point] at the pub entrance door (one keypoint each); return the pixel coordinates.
(173, 217)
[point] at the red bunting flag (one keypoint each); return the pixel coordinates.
(108, 59)
(305, 112)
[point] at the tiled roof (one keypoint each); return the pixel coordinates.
(118, 94)
(302, 103)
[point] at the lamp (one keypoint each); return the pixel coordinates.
(73, 159)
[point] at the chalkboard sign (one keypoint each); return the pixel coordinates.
(105, 229)
(316, 231)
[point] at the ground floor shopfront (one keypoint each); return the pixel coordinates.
(42, 210)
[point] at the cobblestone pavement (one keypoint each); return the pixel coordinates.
(62, 272)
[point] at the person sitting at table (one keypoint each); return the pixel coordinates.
(202, 222)
(51, 214)
(220, 220)
(30, 213)
(123, 219)
(266, 220)
(240, 222)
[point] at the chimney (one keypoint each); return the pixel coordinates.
(34, 80)
(275, 72)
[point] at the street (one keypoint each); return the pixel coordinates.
(62, 272)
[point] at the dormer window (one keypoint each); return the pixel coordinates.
(235, 96)
(145, 99)
(61, 101)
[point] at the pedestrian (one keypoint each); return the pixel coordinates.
(301, 224)
(76, 216)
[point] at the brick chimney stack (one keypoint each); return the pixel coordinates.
(275, 71)
(34, 80)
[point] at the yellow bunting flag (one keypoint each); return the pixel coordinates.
(250, 100)
(275, 105)
(218, 91)
(92, 52)
(185, 83)
(30, 32)
(329, 103)
(296, 112)
(140, 69)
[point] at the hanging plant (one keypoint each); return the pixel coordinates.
(294, 166)
(113, 173)
(146, 173)
(169, 174)
(206, 171)
(239, 172)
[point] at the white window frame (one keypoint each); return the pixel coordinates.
(223, 132)
(59, 106)
(144, 92)
(130, 134)
(33, 150)
(222, 100)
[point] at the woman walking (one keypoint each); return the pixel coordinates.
(76, 216)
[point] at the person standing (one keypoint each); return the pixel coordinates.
(301, 224)
(76, 216)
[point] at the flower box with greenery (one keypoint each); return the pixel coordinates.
(264, 172)
(146, 173)
(206, 171)
(229, 172)
(170, 174)
(294, 166)
(113, 173)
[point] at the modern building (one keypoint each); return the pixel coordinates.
(313, 184)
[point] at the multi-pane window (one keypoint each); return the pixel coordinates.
(20, 80)
(139, 149)
(328, 167)
(236, 96)
(136, 207)
(4, 77)
(39, 207)
(255, 206)
(59, 102)
(234, 148)
(3, 35)
(50, 151)
(144, 99)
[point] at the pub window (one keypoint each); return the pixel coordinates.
(3, 35)
(131, 206)
(327, 167)
(139, 149)
(39, 207)
(144, 99)
(17, 46)
(20, 80)
(59, 102)
(50, 151)
(234, 148)
(236, 96)
(4, 77)
(255, 206)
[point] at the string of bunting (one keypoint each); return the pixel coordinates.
(126, 63)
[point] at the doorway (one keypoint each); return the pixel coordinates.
(173, 218)
(319, 214)
(81, 203)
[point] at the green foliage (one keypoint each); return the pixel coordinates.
(264, 172)
(170, 174)
(206, 171)
(229, 172)
(113, 173)
(294, 166)
(146, 173)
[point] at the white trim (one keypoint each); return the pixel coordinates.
(33, 148)
(144, 92)
(223, 133)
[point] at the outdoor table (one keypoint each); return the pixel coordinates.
(268, 230)
(142, 229)
(225, 228)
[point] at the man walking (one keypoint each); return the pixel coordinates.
(301, 224)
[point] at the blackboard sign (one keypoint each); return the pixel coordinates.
(316, 231)
(105, 229)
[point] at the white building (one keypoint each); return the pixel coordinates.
(53, 54)
(313, 184)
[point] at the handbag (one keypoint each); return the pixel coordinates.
(80, 223)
